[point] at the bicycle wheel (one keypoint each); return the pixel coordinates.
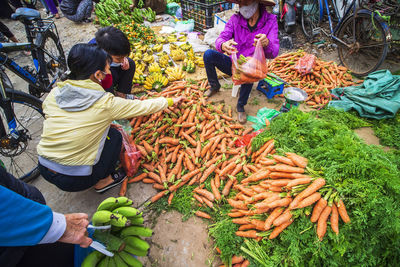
(51, 57)
(19, 156)
(310, 17)
(366, 44)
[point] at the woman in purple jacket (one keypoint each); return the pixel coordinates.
(240, 35)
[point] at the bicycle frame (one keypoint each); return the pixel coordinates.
(5, 104)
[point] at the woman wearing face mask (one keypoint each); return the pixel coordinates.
(240, 35)
(78, 149)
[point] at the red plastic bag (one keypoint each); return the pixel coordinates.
(130, 155)
(250, 69)
(246, 139)
(305, 64)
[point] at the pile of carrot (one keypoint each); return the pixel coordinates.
(323, 77)
(277, 187)
(237, 261)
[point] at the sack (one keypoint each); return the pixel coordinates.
(130, 155)
(250, 69)
(305, 64)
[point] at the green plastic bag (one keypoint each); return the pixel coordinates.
(172, 8)
(262, 114)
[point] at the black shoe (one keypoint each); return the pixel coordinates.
(118, 176)
(210, 92)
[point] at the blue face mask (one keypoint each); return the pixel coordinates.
(248, 11)
(113, 64)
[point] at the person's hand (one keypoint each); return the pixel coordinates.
(75, 232)
(228, 47)
(177, 100)
(263, 39)
(125, 64)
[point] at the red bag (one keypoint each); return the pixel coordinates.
(305, 64)
(130, 155)
(246, 139)
(250, 69)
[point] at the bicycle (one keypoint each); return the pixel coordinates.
(21, 124)
(46, 50)
(361, 35)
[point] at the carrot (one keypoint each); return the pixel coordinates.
(208, 202)
(274, 214)
(169, 140)
(148, 181)
(237, 259)
(290, 175)
(163, 177)
(280, 228)
(202, 214)
(218, 250)
(284, 202)
(205, 193)
(280, 182)
(265, 204)
(198, 149)
(256, 176)
(245, 263)
(321, 225)
(175, 154)
(142, 150)
(217, 181)
(158, 196)
(137, 178)
(155, 177)
(190, 139)
(215, 190)
(246, 227)
(312, 188)
(190, 174)
(193, 180)
(248, 234)
(188, 163)
(343, 212)
(297, 160)
(267, 161)
(124, 186)
(206, 148)
(228, 168)
(207, 173)
(318, 208)
(283, 160)
(235, 214)
(258, 224)
(309, 200)
(335, 219)
(284, 217)
(237, 204)
(171, 196)
(198, 198)
(227, 187)
(243, 220)
(285, 168)
(245, 190)
(148, 147)
(298, 182)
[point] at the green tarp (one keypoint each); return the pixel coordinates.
(378, 97)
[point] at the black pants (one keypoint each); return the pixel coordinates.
(122, 79)
(47, 255)
(106, 165)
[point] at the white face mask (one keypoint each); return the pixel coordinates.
(248, 11)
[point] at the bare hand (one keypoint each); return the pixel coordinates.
(263, 39)
(177, 100)
(75, 232)
(228, 47)
(125, 64)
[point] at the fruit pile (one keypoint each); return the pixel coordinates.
(124, 237)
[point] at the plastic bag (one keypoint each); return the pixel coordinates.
(250, 69)
(262, 115)
(305, 64)
(246, 139)
(130, 155)
(184, 25)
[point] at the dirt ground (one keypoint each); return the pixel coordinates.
(174, 243)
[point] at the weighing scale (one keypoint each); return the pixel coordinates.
(293, 96)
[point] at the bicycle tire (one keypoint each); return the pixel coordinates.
(310, 17)
(288, 28)
(359, 59)
(46, 65)
(34, 106)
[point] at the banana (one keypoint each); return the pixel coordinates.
(127, 211)
(136, 230)
(119, 261)
(154, 67)
(119, 220)
(124, 201)
(129, 259)
(92, 259)
(175, 74)
(101, 217)
(155, 81)
(136, 242)
(135, 251)
(108, 204)
(177, 54)
(112, 263)
(104, 262)
(136, 221)
(112, 242)
(186, 46)
(158, 48)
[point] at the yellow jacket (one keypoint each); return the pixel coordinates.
(78, 116)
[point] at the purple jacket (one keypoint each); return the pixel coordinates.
(237, 29)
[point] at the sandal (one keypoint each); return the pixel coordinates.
(118, 176)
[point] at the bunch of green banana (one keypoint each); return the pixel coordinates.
(186, 46)
(123, 240)
(175, 74)
(155, 81)
(149, 14)
(137, 15)
(188, 66)
(157, 48)
(172, 38)
(154, 67)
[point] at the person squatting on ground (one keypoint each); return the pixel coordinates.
(116, 44)
(77, 10)
(30, 229)
(240, 35)
(78, 148)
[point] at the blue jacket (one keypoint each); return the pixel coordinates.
(23, 222)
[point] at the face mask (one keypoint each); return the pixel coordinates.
(113, 64)
(248, 11)
(107, 81)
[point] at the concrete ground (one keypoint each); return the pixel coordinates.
(174, 243)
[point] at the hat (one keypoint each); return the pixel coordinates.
(263, 2)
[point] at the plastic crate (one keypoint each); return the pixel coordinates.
(270, 87)
(203, 12)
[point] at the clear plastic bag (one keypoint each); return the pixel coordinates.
(249, 69)
(130, 155)
(305, 64)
